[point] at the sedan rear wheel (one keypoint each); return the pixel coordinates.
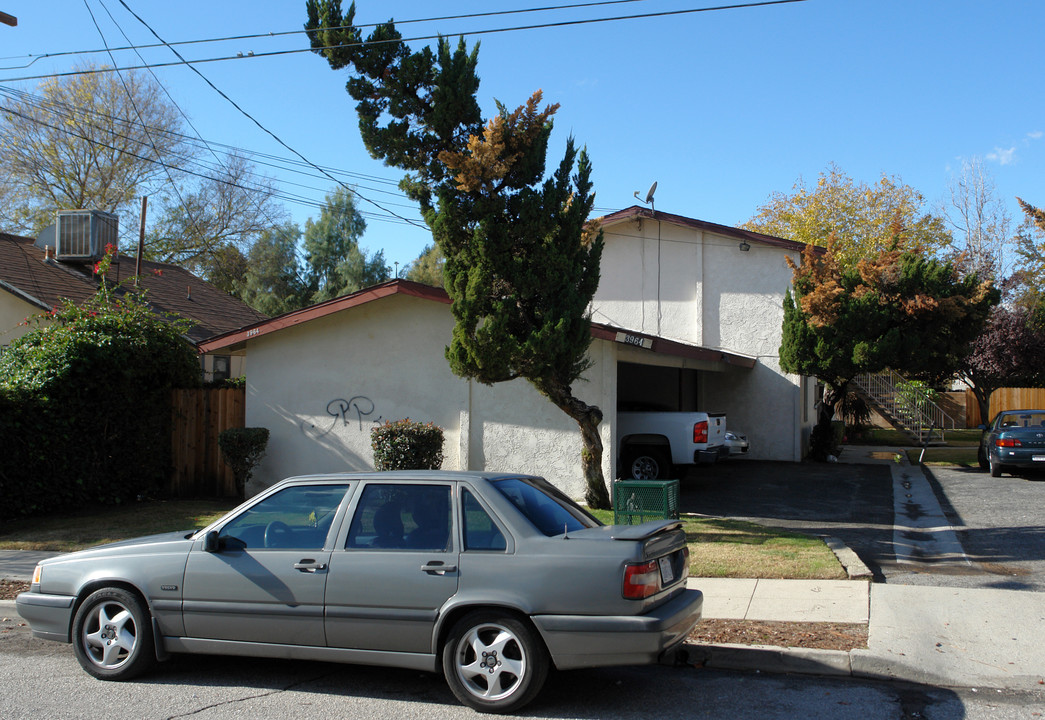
(981, 458)
(494, 662)
(996, 469)
(112, 636)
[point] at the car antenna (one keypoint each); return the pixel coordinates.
(565, 531)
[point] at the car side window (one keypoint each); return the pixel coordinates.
(480, 531)
(402, 517)
(296, 518)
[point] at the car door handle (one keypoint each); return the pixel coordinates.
(438, 568)
(309, 565)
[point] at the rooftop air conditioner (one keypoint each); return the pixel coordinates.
(81, 235)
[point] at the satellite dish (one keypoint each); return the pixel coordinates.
(649, 193)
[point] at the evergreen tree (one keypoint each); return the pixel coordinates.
(899, 310)
(521, 262)
(335, 263)
(428, 267)
(273, 282)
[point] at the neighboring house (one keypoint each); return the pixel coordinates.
(688, 315)
(33, 281)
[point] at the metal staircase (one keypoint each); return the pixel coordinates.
(908, 407)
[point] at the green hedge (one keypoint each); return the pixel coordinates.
(85, 405)
(407, 445)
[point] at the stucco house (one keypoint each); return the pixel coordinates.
(34, 279)
(687, 315)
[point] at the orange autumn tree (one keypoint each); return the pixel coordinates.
(521, 263)
(899, 309)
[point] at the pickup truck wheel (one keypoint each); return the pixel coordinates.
(647, 464)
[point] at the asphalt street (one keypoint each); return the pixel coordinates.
(1000, 524)
(42, 679)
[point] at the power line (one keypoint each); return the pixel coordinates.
(265, 129)
(282, 33)
(467, 33)
(209, 171)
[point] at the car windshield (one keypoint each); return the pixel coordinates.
(550, 511)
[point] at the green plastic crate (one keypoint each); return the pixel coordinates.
(637, 501)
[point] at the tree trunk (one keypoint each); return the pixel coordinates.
(588, 418)
(821, 443)
(983, 400)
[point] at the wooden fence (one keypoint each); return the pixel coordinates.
(197, 418)
(1003, 399)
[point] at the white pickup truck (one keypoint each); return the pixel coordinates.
(652, 443)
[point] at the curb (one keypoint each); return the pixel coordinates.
(773, 659)
(854, 566)
(8, 609)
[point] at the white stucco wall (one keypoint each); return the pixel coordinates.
(699, 287)
(321, 386)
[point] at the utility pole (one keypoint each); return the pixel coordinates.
(8, 19)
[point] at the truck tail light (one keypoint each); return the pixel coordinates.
(641, 580)
(700, 432)
(1008, 442)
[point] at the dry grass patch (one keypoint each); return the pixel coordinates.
(76, 531)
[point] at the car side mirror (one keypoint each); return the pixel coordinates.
(982, 427)
(211, 542)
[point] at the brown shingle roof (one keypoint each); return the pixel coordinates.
(26, 273)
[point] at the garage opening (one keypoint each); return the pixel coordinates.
(651, 387)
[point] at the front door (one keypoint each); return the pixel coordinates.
(267, 580)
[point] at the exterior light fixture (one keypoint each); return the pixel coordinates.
(744, 246)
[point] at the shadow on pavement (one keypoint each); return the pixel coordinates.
(851, 502)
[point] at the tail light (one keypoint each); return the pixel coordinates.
(700, 432)
(641, 580)
(1008, 442)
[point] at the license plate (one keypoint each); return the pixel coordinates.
(667, 575)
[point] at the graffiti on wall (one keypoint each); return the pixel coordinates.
(357, 411)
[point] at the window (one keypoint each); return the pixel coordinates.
(222, 368)
(480, 531)
(545, 506)
(402, 517)
(296, 518)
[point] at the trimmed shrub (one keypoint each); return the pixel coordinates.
(407, 445)
(242, 450)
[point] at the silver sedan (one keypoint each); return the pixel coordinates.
(491, 579)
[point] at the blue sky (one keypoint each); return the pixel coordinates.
(720, 108)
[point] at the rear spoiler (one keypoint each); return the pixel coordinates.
(645, 530)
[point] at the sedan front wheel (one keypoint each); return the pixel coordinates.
(112, 635)
(494, 662)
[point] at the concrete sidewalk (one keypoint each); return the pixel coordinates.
(954, 637)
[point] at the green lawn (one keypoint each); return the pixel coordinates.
(733, 548)
(883, 436)
(718, 548)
